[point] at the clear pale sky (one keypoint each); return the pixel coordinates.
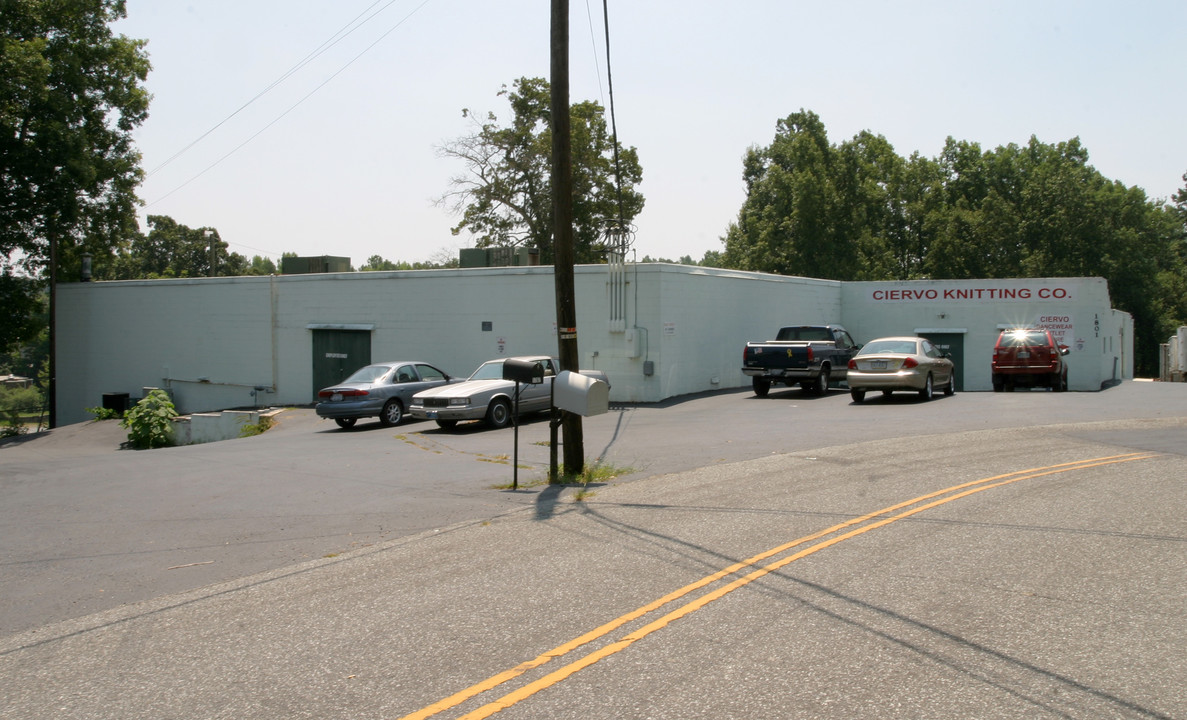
(340, 158)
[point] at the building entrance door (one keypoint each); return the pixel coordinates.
(338, 353)
(953, 344)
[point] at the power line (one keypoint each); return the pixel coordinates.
(613, 121)
(325, 46)
(334, 40)
(593, 41)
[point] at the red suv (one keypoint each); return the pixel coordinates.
(1029, 357)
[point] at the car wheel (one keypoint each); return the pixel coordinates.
(999, 384)
(820, 386)
(857, 395)
(1058, 382)
(392, 414)
(346, 423)
(761, 387)
(927, 391)
(950, 388)
(447, 424)
(498, 415)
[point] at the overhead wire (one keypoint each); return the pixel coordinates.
(621, 235)
(593, 41)
(334, 39)
(294, 106)
(613, 120)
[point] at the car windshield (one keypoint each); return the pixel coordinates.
(1020, 338)
(368, 374)
(492, 370)
(901, 347)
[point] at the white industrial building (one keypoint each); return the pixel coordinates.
(657, 330)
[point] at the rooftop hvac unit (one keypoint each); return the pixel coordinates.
(498, 257)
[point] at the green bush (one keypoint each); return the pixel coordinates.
(17, 407)
(150, 422)
(102, 413)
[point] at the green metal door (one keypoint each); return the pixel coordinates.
(338, 353)
(953, 344)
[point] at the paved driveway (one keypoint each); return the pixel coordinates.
(1021, 572)
(86, 526)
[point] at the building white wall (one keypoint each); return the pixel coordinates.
(1076, 310)
(213, 341)
(125, 336)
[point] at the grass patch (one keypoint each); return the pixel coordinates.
(523, 483)
(257, 428)
(597, 472)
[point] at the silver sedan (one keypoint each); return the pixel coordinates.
(900, 363)
(382, 390)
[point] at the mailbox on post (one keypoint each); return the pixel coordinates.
(580, 393)
(528, 373)
(523, 371)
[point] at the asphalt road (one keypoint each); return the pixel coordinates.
(311, 572)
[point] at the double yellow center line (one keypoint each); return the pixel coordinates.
(814, 543)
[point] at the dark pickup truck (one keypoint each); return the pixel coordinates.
(811, 355)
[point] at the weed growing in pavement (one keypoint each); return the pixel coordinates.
(256, 428)
(596, 472)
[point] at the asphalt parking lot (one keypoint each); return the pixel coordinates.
(310, 572)
(87, 526)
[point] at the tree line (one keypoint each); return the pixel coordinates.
(856, 210)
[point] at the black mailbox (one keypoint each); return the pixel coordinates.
(523, 371)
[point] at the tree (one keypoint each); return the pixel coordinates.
(23, 310)
(71, 96)
(798, 216)
(440, 259)
(505, 197)
(171, 250)
(378, 262)
(261, 265)
(856, 211)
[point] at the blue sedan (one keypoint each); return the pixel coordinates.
(382, 390)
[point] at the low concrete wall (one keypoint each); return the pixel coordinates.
(215, 426)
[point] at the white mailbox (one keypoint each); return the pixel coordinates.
(581, 394)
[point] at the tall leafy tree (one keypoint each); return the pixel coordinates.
(22, 307)
(817, 209)
(172, 250)
(856, 211)
(71, 92)
(71, 96)
(505, 196)
(785, 222)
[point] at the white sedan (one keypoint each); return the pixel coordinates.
(486, 396)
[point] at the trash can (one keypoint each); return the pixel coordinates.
(117, 402)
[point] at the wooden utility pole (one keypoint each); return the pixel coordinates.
(562, 235)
